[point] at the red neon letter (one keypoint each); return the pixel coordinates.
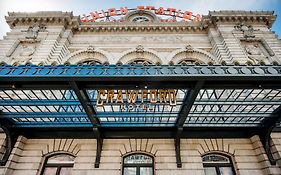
(140, 7)
(197, 18)
(160, 11)
(171, 10)
(112, 12)
(123, 11)
(150, 7)
(178, 13)
(103, 13)
(95, 15)
(187, 15)
(84, 18)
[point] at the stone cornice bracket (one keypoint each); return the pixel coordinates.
(47, 17)
(264, 17)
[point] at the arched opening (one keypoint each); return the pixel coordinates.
(140, 55)
(138, 164)
(58, 164)
(89, 55)
(217, 164)
(190, 55)
(89, 62)
(190, 61)
(141, 61)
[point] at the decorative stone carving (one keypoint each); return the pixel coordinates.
(253, 50)
(23, 52)
(27, 50)
(91, 49)
(139, 49)
(189, 48)
(13, 48)
(32, 31)
(254, 53)
(248, 30)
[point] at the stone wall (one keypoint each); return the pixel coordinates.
(62, 39)
(56, 37)
(247, 155)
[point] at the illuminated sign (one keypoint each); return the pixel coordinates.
(136, 100)
(110, 15)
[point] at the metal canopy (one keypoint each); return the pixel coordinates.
(111, 101)
(206, 96)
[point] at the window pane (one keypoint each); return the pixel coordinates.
(65, 171)
(138, 159)
(130, 171)
(50, 171)
(146, 171)
(215, 158)
(210, 171)
(226, 171)
(61, 158)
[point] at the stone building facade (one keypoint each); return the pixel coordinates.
(220, 38)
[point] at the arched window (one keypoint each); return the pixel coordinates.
(217, 164)
(141, 19)
(59, 164)
(138, 164)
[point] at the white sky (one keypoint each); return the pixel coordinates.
(85, 6)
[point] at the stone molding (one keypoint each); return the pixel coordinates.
(67, 19)
(225, 16)
(46, 17)
(90, 53)
(190, 52)
(140, 52)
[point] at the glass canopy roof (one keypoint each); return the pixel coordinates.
(139, 96)
(233, 107)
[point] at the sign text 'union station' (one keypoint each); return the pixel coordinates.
(175, 15)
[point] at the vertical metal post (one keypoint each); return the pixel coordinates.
(177, 147)
(99, 146)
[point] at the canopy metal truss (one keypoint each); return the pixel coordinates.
(211, 101)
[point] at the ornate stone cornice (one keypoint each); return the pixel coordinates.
(67, 19)
(263, 17)
(45, 17)
(141, 27)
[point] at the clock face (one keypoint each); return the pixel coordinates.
(140, 19)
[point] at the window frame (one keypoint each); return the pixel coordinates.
(59, 166)
(138, 165)
(218, 165)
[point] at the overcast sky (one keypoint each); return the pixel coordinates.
(85, 6)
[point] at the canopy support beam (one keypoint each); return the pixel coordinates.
(188, 103)
(177, 141)
(265, 140)
(10, 141)
(265, 137)
(85, 102)
(99, 139)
